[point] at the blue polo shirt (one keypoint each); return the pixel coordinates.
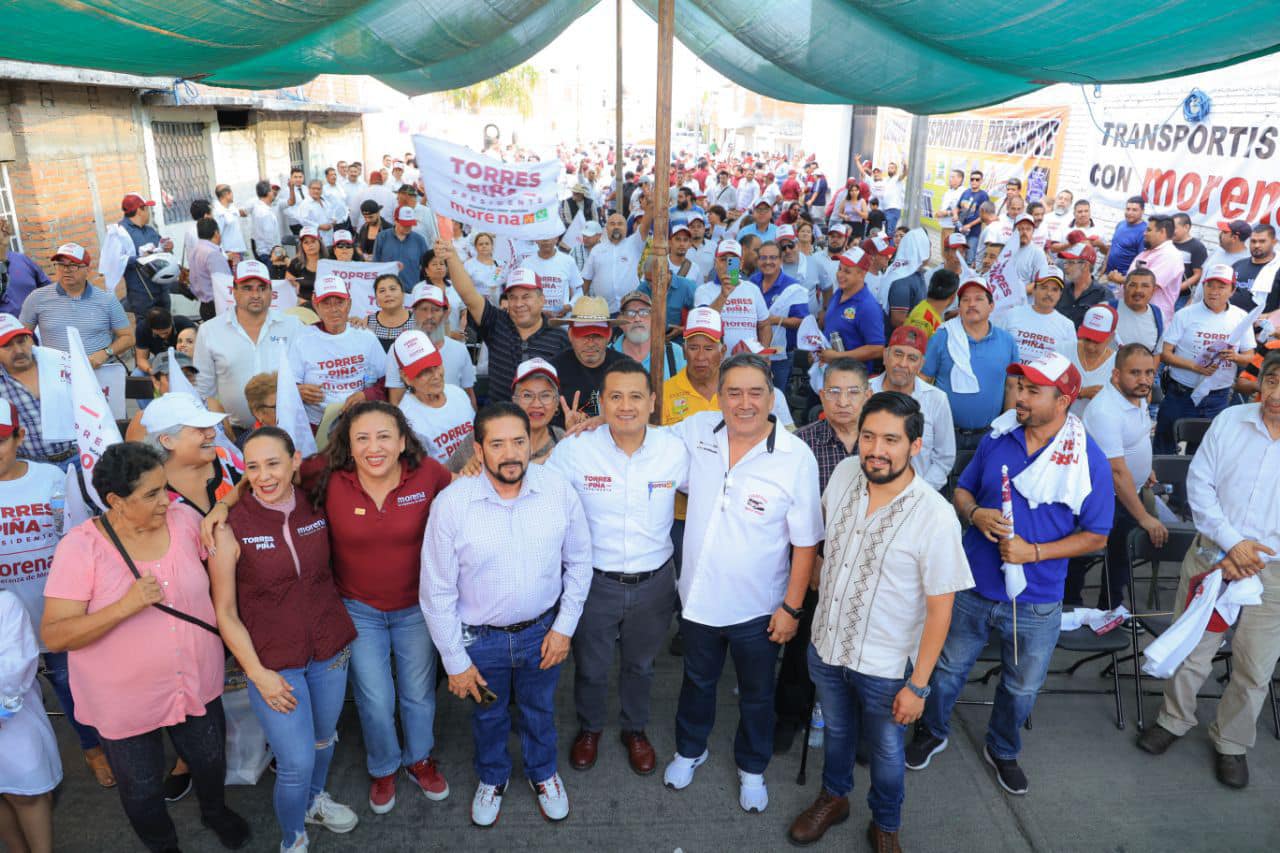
(679, 297)
(96, 313)
(784, 281)
(770, 233)
(1045, 523)
(1126, 243)
(409, 252)
(858, 321)
(989, 357)
(25, 276)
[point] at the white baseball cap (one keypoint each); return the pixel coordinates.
(1099, 323)
(414, 352)
(10, 328)
(785, 232)
(406, 216)
(327, 287)
(1221, 272)
(342, 236)
(534, 367)
(247, 270)
(309, 231)
(729, 247)
(178, 409)
(523, 277)
(423, 292)
(704, 321)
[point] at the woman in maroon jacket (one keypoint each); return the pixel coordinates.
(280, 614)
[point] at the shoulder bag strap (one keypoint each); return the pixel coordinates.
(177, 614)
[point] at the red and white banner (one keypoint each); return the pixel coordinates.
(1224, 168)
(359, 276)
(516, 199)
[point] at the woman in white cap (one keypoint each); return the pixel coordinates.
(160, 385)
(536, 390)
(392, 318)
(1095, 354)
(344, 246)
(435, 271)
(440, 414)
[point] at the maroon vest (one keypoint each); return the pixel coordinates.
(293, 613)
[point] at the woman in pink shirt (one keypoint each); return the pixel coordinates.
(138, 671)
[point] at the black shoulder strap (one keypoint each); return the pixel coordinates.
(671, 359)
(177, 614)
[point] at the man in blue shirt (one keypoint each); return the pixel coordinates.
(19, 275)
(854, 323)
(1127, 242)
(1071, 517)
(141, 296)
(968, 207)
(991, 351)
(404, 246)
(761, 225)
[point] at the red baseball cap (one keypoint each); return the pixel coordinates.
(406, 216)
(976, 281)
(10, 328)
(8, 418)
(131, 203)
(1079, 251)
(1053, 370)
(704, 321)
(909, 336)
(1099, 323)
(415, 353)
(956, 240)
(72, 253)
(878, 245)
(855, 257)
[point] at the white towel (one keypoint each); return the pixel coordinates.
(1167, 652)
(963, 379)
(810, 338)
(53, 370)
(1060, 473)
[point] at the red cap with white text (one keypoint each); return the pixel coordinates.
(855, 257)
(414, 352)
(1099, 323)
(423, 292)
(1053, 370)
(523, 277)
(704, 321)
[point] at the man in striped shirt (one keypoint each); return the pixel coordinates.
(513, 334)
(104, 327)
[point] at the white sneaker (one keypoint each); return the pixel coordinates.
(300, 845)
(679, 772)
(333, 816)
(487, 803)
(553, 799)
(753, 796)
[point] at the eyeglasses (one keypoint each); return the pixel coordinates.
(637, 313)
(544, 397)
(786, 246)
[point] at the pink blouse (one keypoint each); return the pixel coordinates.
(152, 670)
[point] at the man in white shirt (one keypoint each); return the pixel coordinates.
(316, 212)
(264, 221)
(353, 188)
(1237, 514)
(702, 248)
(294, 193)
(1038, 328)
(1118, 419)
(333, 361)
(430, 306)
(228, 217)
(723, 193)
(1058, 221)
(753, 526)
(239, 344)
(679, 242)
(884, 606)
(626, 476)
(558, 274)
(748, 191)
(1198, 348)
(742, 308)
(903, 358)
(1137, 322)
(947, 214)
(506, 566)
(610, 271)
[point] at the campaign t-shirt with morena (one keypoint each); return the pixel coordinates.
(559, 276)
(742, 311)
(27, 537)
(441, 430)
(341, 364)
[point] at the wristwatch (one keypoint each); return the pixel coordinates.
(922, 692)
(791, 611)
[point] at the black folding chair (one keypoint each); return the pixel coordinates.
(139, 388)
(1191, 431)
(1171, 471)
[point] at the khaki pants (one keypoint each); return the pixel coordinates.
(1255, 649)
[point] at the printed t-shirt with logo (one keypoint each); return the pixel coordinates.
(27, 538)
(559, 276)
(1197, 333)
(340, 364)
(441, 430)
(741, 313)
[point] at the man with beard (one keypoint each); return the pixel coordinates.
(502, 617)
(873, 653)
(20, 384)
(635, 321)
(1256, 275)
(1059, 221)
(1119, 420)
(430, 306)
(1015, 268)
(610, 270)
(1060, 486)
(1127, 241)
(1081, 292)
(903, 358)
(626, 476)
(684, 206)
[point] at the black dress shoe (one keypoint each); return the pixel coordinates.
(1232, 770)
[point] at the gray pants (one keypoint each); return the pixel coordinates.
(1255, 647)
(636, 617)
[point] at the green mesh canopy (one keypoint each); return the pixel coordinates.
(924, 56)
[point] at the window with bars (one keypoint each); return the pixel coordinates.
(183, 164)
(295, 155)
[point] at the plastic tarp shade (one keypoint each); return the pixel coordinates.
(921, 55)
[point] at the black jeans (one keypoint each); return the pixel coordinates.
(139, 766)
(793, 697)
(1111, 593)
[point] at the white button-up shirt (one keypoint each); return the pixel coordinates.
(742, 521)
(629, 500)
(1121, 429)
(938, 443)
(879, 570)
(487, 560)
(315, 213)
(1231, 484)
(227, 358)
(611, 269)
(266, 227)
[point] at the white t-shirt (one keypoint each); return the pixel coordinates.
(1038, 334)
(1121, 428)
(741, 313)
(950, 199)
(1101, 375)
(487, 279)
(340, 364)
(441, 430)
(27, 538)
(892, 194)
(458, 369)
(1134, 328)
(561, 280)
(1197, 333)
(611, 268)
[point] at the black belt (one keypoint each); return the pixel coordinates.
(520, 626)
(631, 578)
(61, 457)
(978, 431)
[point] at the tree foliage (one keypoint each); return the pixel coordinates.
(511, 89)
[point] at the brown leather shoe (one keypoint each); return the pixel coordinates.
(640, 752)
(881, 841)
(813, 823)
(583, 754)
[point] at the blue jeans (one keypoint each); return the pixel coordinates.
(891, 217)
(856, 705)
(55, 664)
(1177, 406)
(378, 634)
(302, 740)
(972, 236)
(781, 372)
(509, 663)
(973, 618)
(755, 657)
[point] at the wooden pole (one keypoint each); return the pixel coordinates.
(617, 115)
(661, 272)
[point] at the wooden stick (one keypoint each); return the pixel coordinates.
(660, 273)
(617, 118)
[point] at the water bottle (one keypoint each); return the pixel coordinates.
(58, 508)
(816, 726)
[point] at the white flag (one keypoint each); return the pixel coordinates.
(809, 337)
(573, 235)
(1015, 577)
(117, 249)
(95, 428)
(291, 415)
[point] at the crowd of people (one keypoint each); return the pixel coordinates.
(488, 500)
